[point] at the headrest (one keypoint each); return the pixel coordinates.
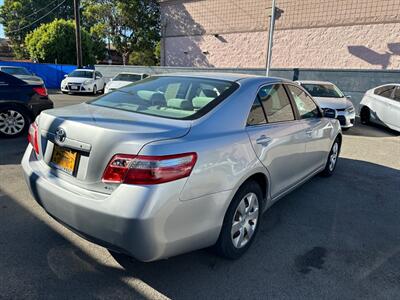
(200, 102)
(146, 95)
(179, 103)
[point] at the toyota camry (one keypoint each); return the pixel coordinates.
(175, 163)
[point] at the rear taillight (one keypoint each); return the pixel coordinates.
(33, 137)
(41, 91)
(139, 169)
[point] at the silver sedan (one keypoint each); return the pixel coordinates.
(176, 163)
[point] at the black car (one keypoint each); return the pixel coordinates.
(20, 103)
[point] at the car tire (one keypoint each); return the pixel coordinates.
(95, 90)
(365, 115)
(64, 92)
(333, 156)
(244, 213)
(19, 116)
(103, 90)
(346, 129)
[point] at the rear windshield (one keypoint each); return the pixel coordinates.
(128, 77)
(16, 71)
(323, 90)
(169, 96)
(81, 74)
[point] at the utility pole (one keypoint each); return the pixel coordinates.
(270, 37)
(78, 33)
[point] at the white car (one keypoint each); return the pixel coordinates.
(328, 95)
(382, 105)
(123, 79)
(83, 81)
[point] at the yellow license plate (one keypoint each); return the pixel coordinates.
(64, 159)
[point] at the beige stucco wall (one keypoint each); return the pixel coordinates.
(310, 33)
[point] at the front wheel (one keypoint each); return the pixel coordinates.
(94, 90)
(365, 115)
(241, 221)
(332, 159)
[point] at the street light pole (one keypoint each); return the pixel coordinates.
(270, 37)
(78, 33)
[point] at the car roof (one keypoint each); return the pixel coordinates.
(90, 70)
(313, 82)
(131, 73)
(224, 76)
(13, 67)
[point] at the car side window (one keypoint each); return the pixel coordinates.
(98, 75)
(256, 115)
(384, 91)
(276, 103)
(305, 105)
(396, 94)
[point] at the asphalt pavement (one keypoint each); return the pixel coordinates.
(333, 238)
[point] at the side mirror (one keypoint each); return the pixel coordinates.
(330, 113)
(348, 96)
(98, 77)
(65, 75)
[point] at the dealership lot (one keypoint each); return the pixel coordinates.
(331, 238)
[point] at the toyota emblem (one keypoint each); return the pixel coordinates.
(60, 135)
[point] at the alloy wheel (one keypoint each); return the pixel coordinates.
(12, 122)
(333, 156)
(244, 221)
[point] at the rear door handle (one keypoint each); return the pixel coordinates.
(263, 140)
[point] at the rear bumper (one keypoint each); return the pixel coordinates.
(146, 222)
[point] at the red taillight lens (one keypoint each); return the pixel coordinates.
(131, 169)
(41, 91)
(33, 137)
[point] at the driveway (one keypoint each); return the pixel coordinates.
(335, 238)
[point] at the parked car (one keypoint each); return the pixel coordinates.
(20, 103)
(83, 81)
(158, 168)
(123, 79)
(328, 95)
(23, 74)
(382, 105)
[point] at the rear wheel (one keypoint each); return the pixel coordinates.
(332, 159)
(241, 222)
(14, 121)
(365, 115)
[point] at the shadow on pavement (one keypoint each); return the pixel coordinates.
(12, 150)
(332, 238)
(371, 130)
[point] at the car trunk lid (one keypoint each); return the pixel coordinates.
(97, 133)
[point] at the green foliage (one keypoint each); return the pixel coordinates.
(16, 14)
(146, 57)
(132, 25)
(56, 41)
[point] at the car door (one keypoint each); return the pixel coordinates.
(99, 80)
(278, 138)
(392, 114)
(318, 129)
(380, 107)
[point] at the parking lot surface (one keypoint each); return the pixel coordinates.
(335, 238)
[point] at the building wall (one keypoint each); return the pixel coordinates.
(309, 34)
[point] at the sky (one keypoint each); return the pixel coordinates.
(1, 26)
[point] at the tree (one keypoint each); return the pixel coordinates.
(146, 57)
(56, 41)
(131, 25)
(19, 17)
